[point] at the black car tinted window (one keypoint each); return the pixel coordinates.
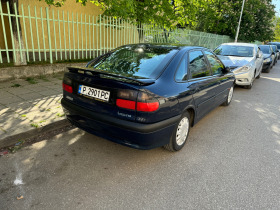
(197, 65)
(216, 65)
(137, 61)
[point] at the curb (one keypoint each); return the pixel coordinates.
(11, 140)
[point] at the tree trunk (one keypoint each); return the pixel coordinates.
(18, 41)
(140, 32)
(166, 35)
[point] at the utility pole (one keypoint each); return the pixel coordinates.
(237, 32)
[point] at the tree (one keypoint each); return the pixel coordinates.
(17, 36)
(221, 17)
(277, 29)
(212, 16)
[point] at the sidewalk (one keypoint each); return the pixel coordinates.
(28, 105)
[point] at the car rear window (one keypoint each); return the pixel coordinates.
(235, 50)
(136, 61)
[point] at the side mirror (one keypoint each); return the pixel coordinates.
(226, 70)
(258, 55)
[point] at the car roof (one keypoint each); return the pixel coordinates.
(240, 44)
(169, 45)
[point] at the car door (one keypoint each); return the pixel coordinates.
(272, 54)
(217, 68)
(259, 61)
(201, 82)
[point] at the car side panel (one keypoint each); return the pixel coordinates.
(204, 93)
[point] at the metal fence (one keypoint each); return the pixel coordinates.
(52, 36)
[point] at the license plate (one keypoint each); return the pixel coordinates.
(94, 93)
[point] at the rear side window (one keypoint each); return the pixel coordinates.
(136, 61)
(181, 73)
(215, 63)
(197, 65)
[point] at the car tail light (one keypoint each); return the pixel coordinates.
(67, 88)
(143, 102)
(146, 103)
(126, 104)
(147, 107)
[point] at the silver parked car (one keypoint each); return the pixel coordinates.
(245, 61)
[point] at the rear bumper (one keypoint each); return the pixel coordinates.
(136, 135)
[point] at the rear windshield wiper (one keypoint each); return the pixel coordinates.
(140, 80)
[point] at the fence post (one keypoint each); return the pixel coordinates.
(73, 28)
(199, 42)
(216, 41)
(49, 34)
(11, 31)
(100, 39)
(69, 37)
(19, 37)
(43, 32)
(24, 28)
(54, 32)
(37, 33)
(86, 33)
(5, 38)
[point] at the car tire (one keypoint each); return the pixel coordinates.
(229, 96)
(251, 84)
(259, 76)
(177, 141)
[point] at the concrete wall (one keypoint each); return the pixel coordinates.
(11, 73)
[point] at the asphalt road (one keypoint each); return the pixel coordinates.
(231, 161)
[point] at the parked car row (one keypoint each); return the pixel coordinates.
(148, 95)
(247, 61)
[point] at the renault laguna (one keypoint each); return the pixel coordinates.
(146, 96)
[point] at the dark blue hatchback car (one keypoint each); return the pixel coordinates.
(146, 96)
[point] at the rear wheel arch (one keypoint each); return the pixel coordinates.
(191, 112)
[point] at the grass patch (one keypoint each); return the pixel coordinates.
(17, 146)
(24, 115)
(31, 80)
(44, 78)
(42, 121)
(35, 125)
(3, 65)
(58, 75)
(48, 110)
(16, 85)
(60, 115)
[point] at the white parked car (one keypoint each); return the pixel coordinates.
(245, 60)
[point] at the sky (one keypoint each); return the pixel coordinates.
(277, 8)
